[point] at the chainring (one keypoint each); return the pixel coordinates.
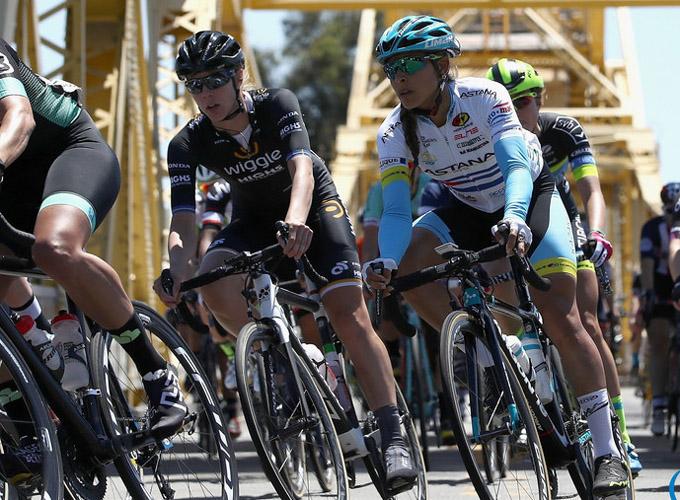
(84, 479)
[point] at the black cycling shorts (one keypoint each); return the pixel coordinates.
(333, 251)
(81, 163)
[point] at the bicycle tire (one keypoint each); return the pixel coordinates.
(276, 420)
(424, 409)
(48, 483)
(527, 477)
(179, 461)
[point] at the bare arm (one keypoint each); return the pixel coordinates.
(300, 236)
(16, 126)
(593, 201)
(181, 250)
(206, 237)
(370, 249)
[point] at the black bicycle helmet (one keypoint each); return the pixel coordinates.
(208, 51)
(670, 192)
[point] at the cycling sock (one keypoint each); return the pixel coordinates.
(390, 429)
(618, 408)
(595, 407)
(133, 338)
(32, 308)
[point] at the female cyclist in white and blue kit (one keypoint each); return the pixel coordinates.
(466, 134)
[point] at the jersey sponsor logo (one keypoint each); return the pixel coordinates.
(5, 67)
(180, 166)
(286, 116)
(459, 166)
(254, 164)
(386, 162)
(261, 95)
(334, 207)
(475, 93)
(460, 119)
(472, 141)
(466, 133)
(429, 158)
(497, 193)
(289, 129)
(466, 197)
(389, 132)
(498, 112)
(180, 180)
(258, 176)
(244, 153)
(475, 148)
(426, 141)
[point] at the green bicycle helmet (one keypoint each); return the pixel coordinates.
(417, 34)
(518, 77)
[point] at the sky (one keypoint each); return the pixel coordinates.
(658, 53)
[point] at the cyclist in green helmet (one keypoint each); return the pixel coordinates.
(564, 143)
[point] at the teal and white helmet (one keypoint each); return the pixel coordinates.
(417, 34)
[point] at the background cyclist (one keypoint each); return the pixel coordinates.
(657, 286)
(565, 145)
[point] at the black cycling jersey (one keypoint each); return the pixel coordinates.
(675, 219)
(278, 133)
(261, 184)
(654, 245)
(563, 143)
(65, 156)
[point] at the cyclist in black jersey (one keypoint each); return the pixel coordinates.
(257, 141)
(674, 252)
(657, 287)
(59, 180)
(565, 144)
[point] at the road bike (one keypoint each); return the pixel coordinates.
(306, 438)
(509, 440)
(96, 440)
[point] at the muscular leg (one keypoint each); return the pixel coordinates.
(579, 354)
(61, 232)
(658, 338)
(586, 298)
(223, 298)
(348, 315)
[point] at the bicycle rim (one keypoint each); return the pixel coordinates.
(503, 464)
(32, 419)
(198, 460)
(300, 453)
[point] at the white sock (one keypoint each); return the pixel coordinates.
(595, 407)
(31, 308)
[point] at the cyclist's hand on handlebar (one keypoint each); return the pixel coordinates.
(515, 234)
(166, 287)
(597, 248)
(298, 240)
(378, 281)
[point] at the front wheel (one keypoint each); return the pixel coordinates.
(198, 460)
(26, 430)
(503, 463)
(287, 418)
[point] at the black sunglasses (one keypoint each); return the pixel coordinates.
(214, 81)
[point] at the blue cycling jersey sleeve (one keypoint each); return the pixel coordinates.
(395, 226)
(513, 160)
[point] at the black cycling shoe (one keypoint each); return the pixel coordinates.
(611, 476)
(400, 475)
(167, 408)
(21, 465)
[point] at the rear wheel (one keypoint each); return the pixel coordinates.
(285, 430)
(503, 463)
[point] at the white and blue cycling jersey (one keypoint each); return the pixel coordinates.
(482, 154)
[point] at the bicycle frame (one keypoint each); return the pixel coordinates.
(87, 429)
